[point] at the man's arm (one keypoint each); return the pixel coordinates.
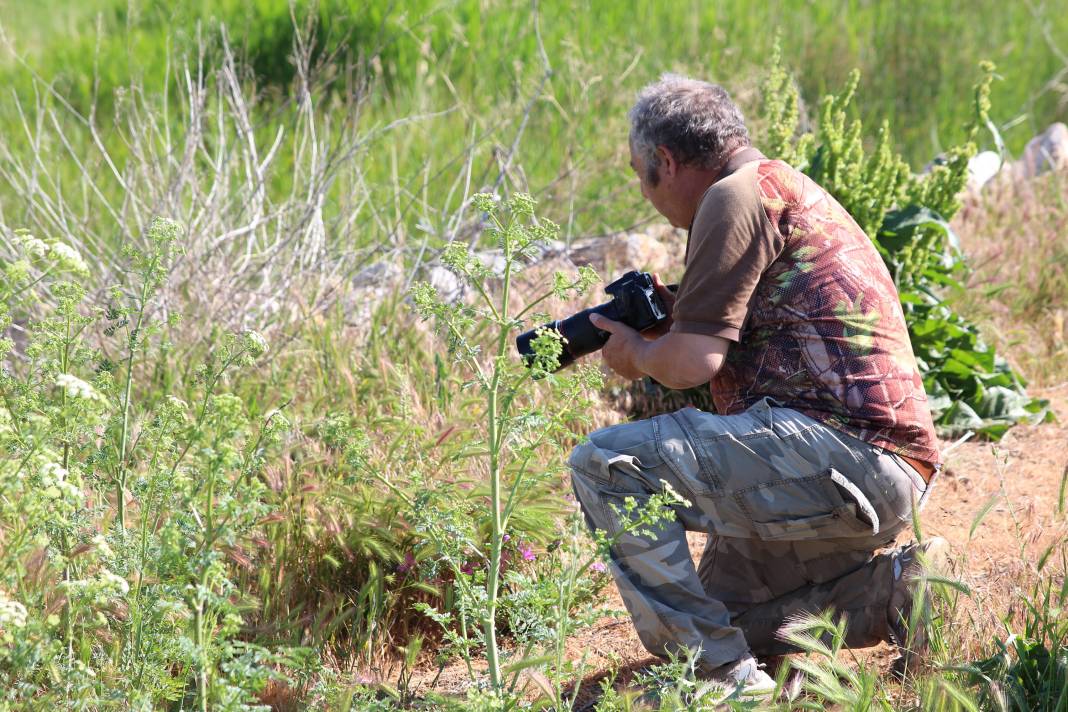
(676, 360)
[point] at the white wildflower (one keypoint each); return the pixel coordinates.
(275, 421)
(171, 611)
(254, 343)
(113, 584)
(77, 388)
(176, 403)
(100, 543)
(32, 245)
(12, 613)
(67, 258)
(53, 472)
(84, 669)
(57, 486)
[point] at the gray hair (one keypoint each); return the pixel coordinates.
(695, 120)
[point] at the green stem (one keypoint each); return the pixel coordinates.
(126, 409)
(466, 637)
(202, 673)
(495, 446)
(495, 539)
(67, 577)
(137, 629)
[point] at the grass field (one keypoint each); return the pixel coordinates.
(240, 472)
(480, 63)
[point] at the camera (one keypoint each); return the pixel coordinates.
(634, 302)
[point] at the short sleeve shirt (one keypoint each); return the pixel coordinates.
(776, 264)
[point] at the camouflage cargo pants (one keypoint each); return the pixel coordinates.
(794, 511)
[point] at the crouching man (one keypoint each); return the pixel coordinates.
(822, 441)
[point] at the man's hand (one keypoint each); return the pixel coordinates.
(622, 352)
(676, 360)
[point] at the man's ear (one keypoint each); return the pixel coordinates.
(668, 164)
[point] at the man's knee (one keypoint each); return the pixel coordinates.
(582, 457)
(615, 451)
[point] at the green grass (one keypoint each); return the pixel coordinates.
(918, 58)
(481, 60)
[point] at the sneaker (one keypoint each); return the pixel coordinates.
(744, 676)
(910, 563)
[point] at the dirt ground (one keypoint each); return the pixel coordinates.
(1022, 474)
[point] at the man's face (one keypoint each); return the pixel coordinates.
(656, 191)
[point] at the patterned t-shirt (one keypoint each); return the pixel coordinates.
(775, 263)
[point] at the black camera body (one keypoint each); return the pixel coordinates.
(635, 302)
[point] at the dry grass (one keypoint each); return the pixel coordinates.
(1014, 237)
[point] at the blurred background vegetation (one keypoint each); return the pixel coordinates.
(480, 61)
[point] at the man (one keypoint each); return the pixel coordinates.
(823, 439)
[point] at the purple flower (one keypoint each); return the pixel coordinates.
(506, 538)
(407, 565)
(468, 568)
(527, 552)
(599, 567)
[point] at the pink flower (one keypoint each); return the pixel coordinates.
(468, 568)
(599, 567)
(527, 552)
(506, 538)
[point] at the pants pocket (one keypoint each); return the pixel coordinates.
(825, 505)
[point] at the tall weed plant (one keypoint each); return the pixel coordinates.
(508, 618)
(122, 508)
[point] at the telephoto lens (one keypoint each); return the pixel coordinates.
(634, 302)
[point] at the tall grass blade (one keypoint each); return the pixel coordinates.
(1063, 494)
(981, 515)
(953, 583)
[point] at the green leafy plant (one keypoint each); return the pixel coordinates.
(513, 434)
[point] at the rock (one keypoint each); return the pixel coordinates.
(371, 286)
(1045, 152)
(494, 259)
(982, 167)
(537, 279)
(448, 285)
(612, 256)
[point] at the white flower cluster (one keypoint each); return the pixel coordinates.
(32, 245)
(275, 422)
(113, 584)
(176, 403)
(101, 589)
(68, 258)
(254, 343)
(100, 543)
(171, 611)
(77, 388)
(57, 486)
(65, 257)
(12, 613)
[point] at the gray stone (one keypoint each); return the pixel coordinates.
(620, 253)
(1045, 152)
